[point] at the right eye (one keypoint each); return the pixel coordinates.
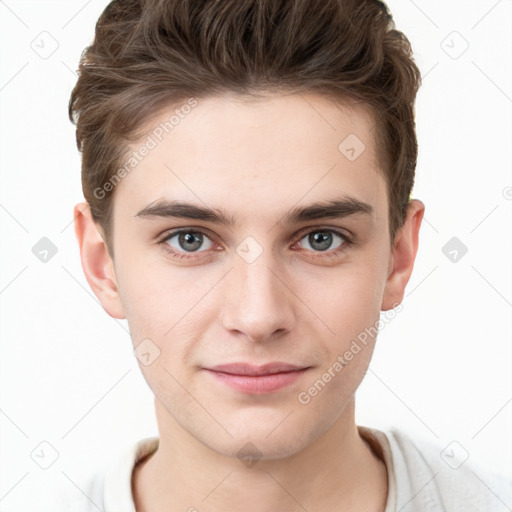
(186, 241)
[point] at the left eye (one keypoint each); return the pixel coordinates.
(322, 240)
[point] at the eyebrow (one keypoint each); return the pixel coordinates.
(333, 209)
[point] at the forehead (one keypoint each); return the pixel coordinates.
(255, 153)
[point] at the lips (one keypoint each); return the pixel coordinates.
(248, 369)
(257, 379)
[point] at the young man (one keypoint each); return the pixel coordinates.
(248, 167)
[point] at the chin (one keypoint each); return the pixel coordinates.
(263, 441)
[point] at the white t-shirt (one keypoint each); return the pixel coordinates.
(421, 478)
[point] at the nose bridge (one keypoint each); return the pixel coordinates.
(259, 304)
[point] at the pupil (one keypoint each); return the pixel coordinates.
(191, 241)
(321, 238)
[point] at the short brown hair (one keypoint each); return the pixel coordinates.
(148, 54)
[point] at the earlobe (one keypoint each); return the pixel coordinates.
(403, 255)
(97, 264)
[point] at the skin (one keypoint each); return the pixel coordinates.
(255, 159)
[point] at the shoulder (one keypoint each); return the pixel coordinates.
(445, 475)
(86, 497)
(109, 489)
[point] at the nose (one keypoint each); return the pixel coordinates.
(259, 304)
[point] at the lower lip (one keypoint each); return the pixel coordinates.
(259, 383)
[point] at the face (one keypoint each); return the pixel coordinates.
(254, 232)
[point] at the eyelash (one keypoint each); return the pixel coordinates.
(329, 254)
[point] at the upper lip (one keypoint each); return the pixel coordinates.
(251, 369)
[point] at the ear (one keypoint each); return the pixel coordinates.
(97, 264)
(403, 255)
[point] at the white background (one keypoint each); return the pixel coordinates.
(441, 370)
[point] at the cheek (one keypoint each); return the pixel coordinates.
(165, 314)
(350, 299)
(351, 310)
(346, 359)
(153, 300)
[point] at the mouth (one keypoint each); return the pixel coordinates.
(249, 378)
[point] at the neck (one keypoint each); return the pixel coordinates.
(337, 471)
